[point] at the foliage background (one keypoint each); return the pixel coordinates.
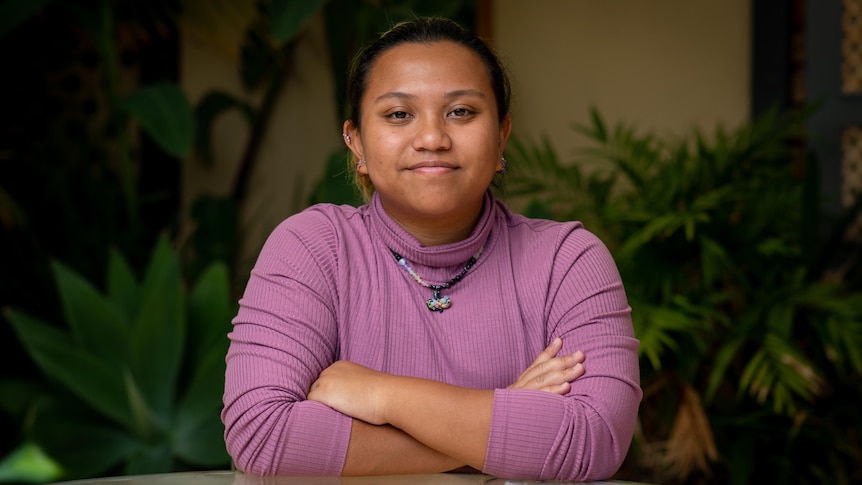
(750, 324)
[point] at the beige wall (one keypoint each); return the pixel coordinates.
(662, 65)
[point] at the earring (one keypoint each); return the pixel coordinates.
(502, 170)
(359, 164)
(346, 138)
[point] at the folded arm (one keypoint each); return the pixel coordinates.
(451, 420)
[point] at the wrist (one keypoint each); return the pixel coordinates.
(386, 396)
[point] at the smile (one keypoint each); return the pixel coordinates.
(432, 167)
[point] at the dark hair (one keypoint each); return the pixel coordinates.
(419, 31)
(425, 30)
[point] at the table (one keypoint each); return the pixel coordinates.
(239, 478)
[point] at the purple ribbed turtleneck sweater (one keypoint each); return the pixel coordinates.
(326, 287)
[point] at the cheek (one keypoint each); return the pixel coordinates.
(383, 146)
(484, 144)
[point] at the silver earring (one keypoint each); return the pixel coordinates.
(502, 170)
(346, 138)
(359, 164)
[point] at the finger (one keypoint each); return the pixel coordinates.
(577, 371)
(545, 355)
(558, 377)
(578, 357)
(549, 352)
(538, 371)
(560, 389)
(534, 377)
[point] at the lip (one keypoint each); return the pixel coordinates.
(432, 166)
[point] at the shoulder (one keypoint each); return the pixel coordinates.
(318, 230)
(320, 217)
(563, 248)
(567, 237)
(319, 221)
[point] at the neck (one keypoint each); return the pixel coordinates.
(438, 231)
(437, 236)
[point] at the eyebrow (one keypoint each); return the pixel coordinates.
(465, 92)
(451, 94)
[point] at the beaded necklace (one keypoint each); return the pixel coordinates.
(436, 303)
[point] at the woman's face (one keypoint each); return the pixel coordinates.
(430, 134)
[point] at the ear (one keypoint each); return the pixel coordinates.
(505, 131)
(352, 139)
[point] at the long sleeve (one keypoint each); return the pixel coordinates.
(586, 434)
(284, 335)
(326, 287)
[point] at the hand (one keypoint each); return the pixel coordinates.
(550, 373)
(351, 389)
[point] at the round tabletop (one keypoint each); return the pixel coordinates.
(239, 478)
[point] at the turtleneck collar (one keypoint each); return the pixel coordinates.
(398, 239)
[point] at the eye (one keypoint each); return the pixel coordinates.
(461, 112)
(398, 115)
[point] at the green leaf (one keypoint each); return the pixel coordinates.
(258, 58)
(779, 320)
(13, 13)
(164, 112)
(203, 395)
(538, 210)
(97, 382)
(123, 288)
(203, 444)
(660, 227)
(28, 463)
(97, 324)
(19, 395)
(159, 331)
(288, 17)
(146, 424)
(215, 235)
(723, 358)
(715, 262)
(82, 446)
(598, 132)
(210, 311)
(780, 372)
(149, 459)
(844, 342)
(199, 432)
(658, 328)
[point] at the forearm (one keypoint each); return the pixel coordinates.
(275, 437)
(386, 450)
(441, 425)
(452, 420)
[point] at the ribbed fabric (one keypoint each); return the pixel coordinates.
(326, 287)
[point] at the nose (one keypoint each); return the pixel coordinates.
(431, 135)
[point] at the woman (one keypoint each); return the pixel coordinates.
(431, 329)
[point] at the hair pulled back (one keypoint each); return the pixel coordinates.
(420, 31)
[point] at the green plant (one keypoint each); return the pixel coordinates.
(28, 464)
(750, 329)
(77, 175)
(134, 384)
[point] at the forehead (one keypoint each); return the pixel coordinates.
(421, 66)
